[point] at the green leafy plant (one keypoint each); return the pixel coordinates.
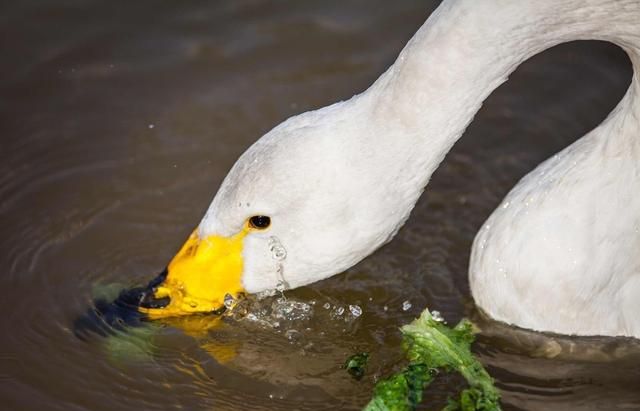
(431, 346)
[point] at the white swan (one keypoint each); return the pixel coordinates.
(326, 188)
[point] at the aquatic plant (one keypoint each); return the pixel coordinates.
(431, 346)
(357, 364)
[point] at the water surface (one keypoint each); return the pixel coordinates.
(118, 121)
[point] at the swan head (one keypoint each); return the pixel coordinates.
(305, 202)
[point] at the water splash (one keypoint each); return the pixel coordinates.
(290, 310)
(276, 313)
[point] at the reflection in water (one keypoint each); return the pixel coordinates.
(119, 121)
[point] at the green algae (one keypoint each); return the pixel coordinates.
(357, 364)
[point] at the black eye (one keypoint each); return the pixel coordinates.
(260, 222)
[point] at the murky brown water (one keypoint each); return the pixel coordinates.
(119, 120)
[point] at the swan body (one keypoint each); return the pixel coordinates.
(562, 251)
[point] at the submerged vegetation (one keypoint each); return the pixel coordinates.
(431, 346)
(357, 364)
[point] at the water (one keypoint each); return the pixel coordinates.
(119, 121)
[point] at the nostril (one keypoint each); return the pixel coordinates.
(148, 300)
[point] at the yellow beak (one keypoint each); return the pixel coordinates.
(203, 273)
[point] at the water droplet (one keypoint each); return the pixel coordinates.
(151, 126)
(278, 252)
(326, 306)
(356, 311)
(292, 335)
(406, 305)
(229, 301)
(385, 308)
(339, 311)
(282, 283)
(437, 316)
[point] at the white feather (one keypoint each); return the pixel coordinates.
(562, 252)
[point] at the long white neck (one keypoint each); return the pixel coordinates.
(586, 271)
(468, 48)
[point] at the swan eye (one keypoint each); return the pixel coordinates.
(259, 222)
